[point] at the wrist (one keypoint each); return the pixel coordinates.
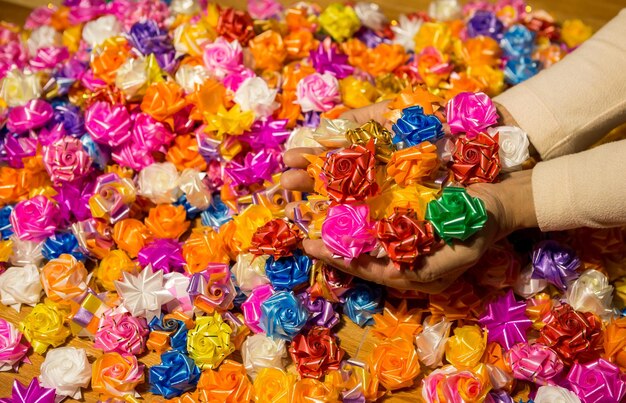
(517, 198)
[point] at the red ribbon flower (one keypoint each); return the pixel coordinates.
(575, 336)
(405, 237)
(235, 25)
(316, 352)
(350, 174)
(476, 160)
(277, 238)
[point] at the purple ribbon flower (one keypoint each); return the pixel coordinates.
(555, 263)
(33, 393)
(506, 320)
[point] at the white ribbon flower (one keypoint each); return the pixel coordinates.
(431, 342)
(405, 31)
(249, 270)
(99, 30)
(255, 95)
(514, 145)
(20, 285)
(555, 394)
(444, 10)
(66, 369)
(144, 294)
(591, 292)
(259, 351)
(159, 182)
(370, 15)
(43, 37)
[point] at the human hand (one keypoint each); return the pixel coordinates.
(509, 205)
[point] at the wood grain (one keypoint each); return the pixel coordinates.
(356, 341)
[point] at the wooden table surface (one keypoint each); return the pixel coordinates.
(356, 341)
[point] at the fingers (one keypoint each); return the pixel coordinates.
(294, 158)
(298, 180)
(367, 113)
(290, 207)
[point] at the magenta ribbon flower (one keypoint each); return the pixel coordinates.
(536, 363)
(347, 230)
(33, 393)
(35, 219)
(471, 113)
(597, 381)
(108, 124)
(506, 321)
(33, 115)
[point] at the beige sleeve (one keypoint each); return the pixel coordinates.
(587, 189)
(568, 107)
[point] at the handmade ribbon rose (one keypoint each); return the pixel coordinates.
(259, 352)
(322, 312)
(470, 113)
(466, 347)
(18, 87)
(167, 221)
(506, 321)
(20, 285)
(394, 363)
(273, 385)
(535, 363)
(251, 308)
(13, 348)
(412, 164)
(317, 92)
(277, 238)
(574, 32)
(550, 394)
(415, 127)
(62, 243)
(112, 266)
(249, 270)
(130, 235)
(115, 376)
(44, 327)
(175, 375)
(228, 384)
(350, 174)
(255, 95)
(121, 333)
(283, 315)
(288, 272)
(572, 335)
(24, 252)
(209, 341)
(308, 389)
(476, 160)
(432, 341)
(35, 219)
(159, 182)
(457, 386)
(66, 369)
(212, 289)
(404, 237)
(64, 279)
(347, 231)
(163, 100)
(362, 302)
(555, 263)
(456, 215)
(591, 292)
(597, 381)
(316, 352)
(66, 160)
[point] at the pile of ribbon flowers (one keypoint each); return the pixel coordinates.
(142, 146)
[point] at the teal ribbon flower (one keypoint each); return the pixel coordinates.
(456, 214)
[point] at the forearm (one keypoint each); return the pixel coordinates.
(568, 107)
(587, 189)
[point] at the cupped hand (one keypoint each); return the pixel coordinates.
(508, 203)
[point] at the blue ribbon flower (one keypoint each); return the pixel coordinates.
(192, 211)
(415, 127)
(61, 243)
(6, 229)
(177, 329)
(283, 315)
(519, 70)
(362, 302)
(518, 41)
(176, 374)
(217, 214)
(288, 272)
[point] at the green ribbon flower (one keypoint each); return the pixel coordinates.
(456, 214)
